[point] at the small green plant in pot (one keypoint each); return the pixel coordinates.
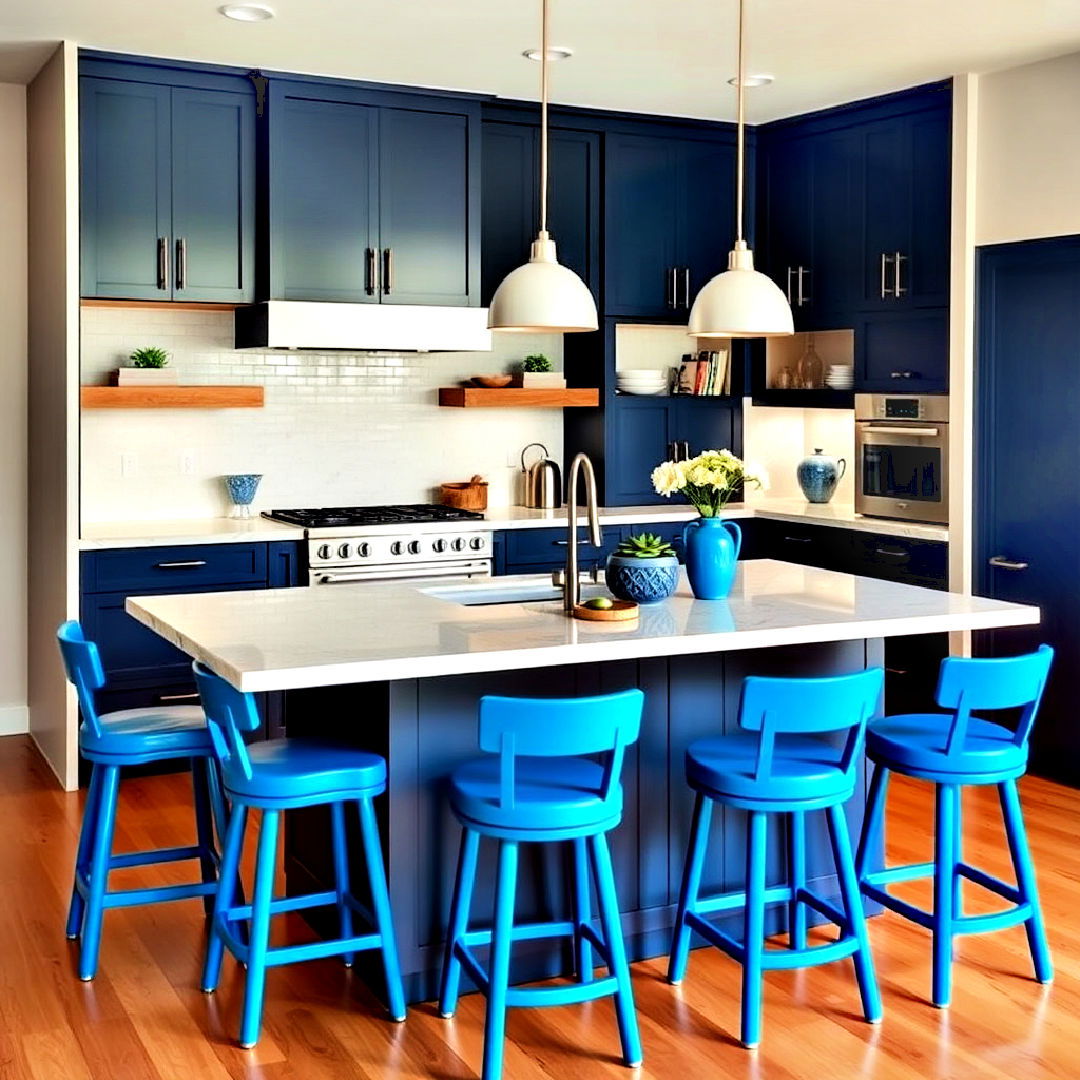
(536, 373)
(643, 568)
(147, 366)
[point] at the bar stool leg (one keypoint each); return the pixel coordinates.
(499, 974)
(616, 947)
(958, 854)
(262, 894)
(1016, 834)
(872, 837)
(754, 937)
(101, 851)
(856, 917)
(380, 900)
(82, 856)
(691, 884)
(797, 851)
(944, 892)
(204, 828)
(228, 880)
(341, 875)
(459, 921)
(583, 952)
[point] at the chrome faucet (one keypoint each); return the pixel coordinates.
(571, 585)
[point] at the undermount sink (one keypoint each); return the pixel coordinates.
(493, 591)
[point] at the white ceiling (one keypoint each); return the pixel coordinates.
(642, 55)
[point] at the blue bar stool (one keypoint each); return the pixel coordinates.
(536, 787)
(110, 741)
(278, 775)
(951, 750)
(778, 764)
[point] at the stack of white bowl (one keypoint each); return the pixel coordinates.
(644, 381)
(840, 377)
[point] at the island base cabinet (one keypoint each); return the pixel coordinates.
(428, 727)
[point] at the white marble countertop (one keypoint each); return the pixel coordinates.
(231, 530)
(326, 635)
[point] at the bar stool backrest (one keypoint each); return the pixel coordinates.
(967, 684)
(817, 706)
(82, 662)
(560, 727)
(228, 713)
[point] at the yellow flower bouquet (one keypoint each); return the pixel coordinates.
(708, 481)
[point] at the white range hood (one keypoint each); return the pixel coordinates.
(296, 324)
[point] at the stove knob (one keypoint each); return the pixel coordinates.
(343, 551)
(476, 543)
(395, 548)
(325, 551)
(458, 544)
(439, 546)
(414, 547)
(363, 550)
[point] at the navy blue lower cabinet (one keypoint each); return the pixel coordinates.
(537, 551)
(427, 728)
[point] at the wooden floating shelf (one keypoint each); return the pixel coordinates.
(159, 305)
(172, 397)
(515, 397)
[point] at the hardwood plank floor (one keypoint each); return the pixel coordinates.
(144, 1018)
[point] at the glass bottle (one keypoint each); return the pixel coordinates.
(810, 371)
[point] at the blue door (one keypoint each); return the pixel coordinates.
(126, 204)
(429, 214)
(1027, 481)
(213, 184)
(638, 433)
(323, 200)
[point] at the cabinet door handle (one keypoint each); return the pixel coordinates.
(181, 262)
(388, 271)
(790, 271)
(184, 564)
(163, 698)
(892, 553)
(685, 450)
(803, 297)
(799, 539)
(672, 298)
(885, 260)
(163, 262)
(905, 374)
(898, 289)
(686, 287)
(1007, 564)
(371, 272)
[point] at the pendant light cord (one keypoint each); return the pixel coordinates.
(543, 118)
(740, 138)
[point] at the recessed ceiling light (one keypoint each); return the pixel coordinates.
(555, 52)
(247, 12)
(752, 80)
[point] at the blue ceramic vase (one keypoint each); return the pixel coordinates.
(644, 581)
(712, 550)
(242, 488)
(818, 474)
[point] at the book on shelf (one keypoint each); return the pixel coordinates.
(687, 375)
(709, 375)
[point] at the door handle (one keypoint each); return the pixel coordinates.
(163, 262)
(186, 564)
(898, 289)
(1006, 564)
(388, 271)
(181, 262)
(686, 287)
(371, 273)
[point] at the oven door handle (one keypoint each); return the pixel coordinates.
(881, 429)
(479, 568)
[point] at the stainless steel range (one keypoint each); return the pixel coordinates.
(380, 543)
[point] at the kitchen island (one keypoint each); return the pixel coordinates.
(398, 668)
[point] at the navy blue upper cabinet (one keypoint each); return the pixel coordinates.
(371, 202)
(511, 162)
(668, 221)
(167, 189)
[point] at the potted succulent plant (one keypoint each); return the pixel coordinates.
(643, 568)
(148, 366)
(536, 374)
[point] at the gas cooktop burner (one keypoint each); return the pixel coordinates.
(336, 517)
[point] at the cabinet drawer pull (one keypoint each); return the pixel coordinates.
(193, 696)
(186, 564)
(1007, 564)
(582, 542)
(892, 553)
(799, 539)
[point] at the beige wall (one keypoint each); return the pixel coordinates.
(13, 714)
(1029, 152)
(53, 385)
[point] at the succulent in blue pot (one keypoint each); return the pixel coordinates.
(643, 568)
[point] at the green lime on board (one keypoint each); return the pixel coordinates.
(599, 603)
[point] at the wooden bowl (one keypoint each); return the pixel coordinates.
(492, 382)
(470, 496)
(620, 611)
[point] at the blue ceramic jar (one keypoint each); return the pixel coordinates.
(818, 474)
(712, 550)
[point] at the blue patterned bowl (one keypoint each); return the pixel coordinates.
(645, 581)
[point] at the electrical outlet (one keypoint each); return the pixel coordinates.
(187, 462)
(129, 464)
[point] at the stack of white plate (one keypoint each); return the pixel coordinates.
(645, 381)
(840, 377)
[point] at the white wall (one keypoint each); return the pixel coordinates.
(337, 429)
(1029, 152)
(13, 713)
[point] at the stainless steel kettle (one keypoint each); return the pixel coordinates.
(543, 481)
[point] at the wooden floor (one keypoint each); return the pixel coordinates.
(144, 1019)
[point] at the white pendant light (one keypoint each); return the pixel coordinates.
(543, 296)
(741, 302)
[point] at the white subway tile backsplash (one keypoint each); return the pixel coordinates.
(336, 428)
